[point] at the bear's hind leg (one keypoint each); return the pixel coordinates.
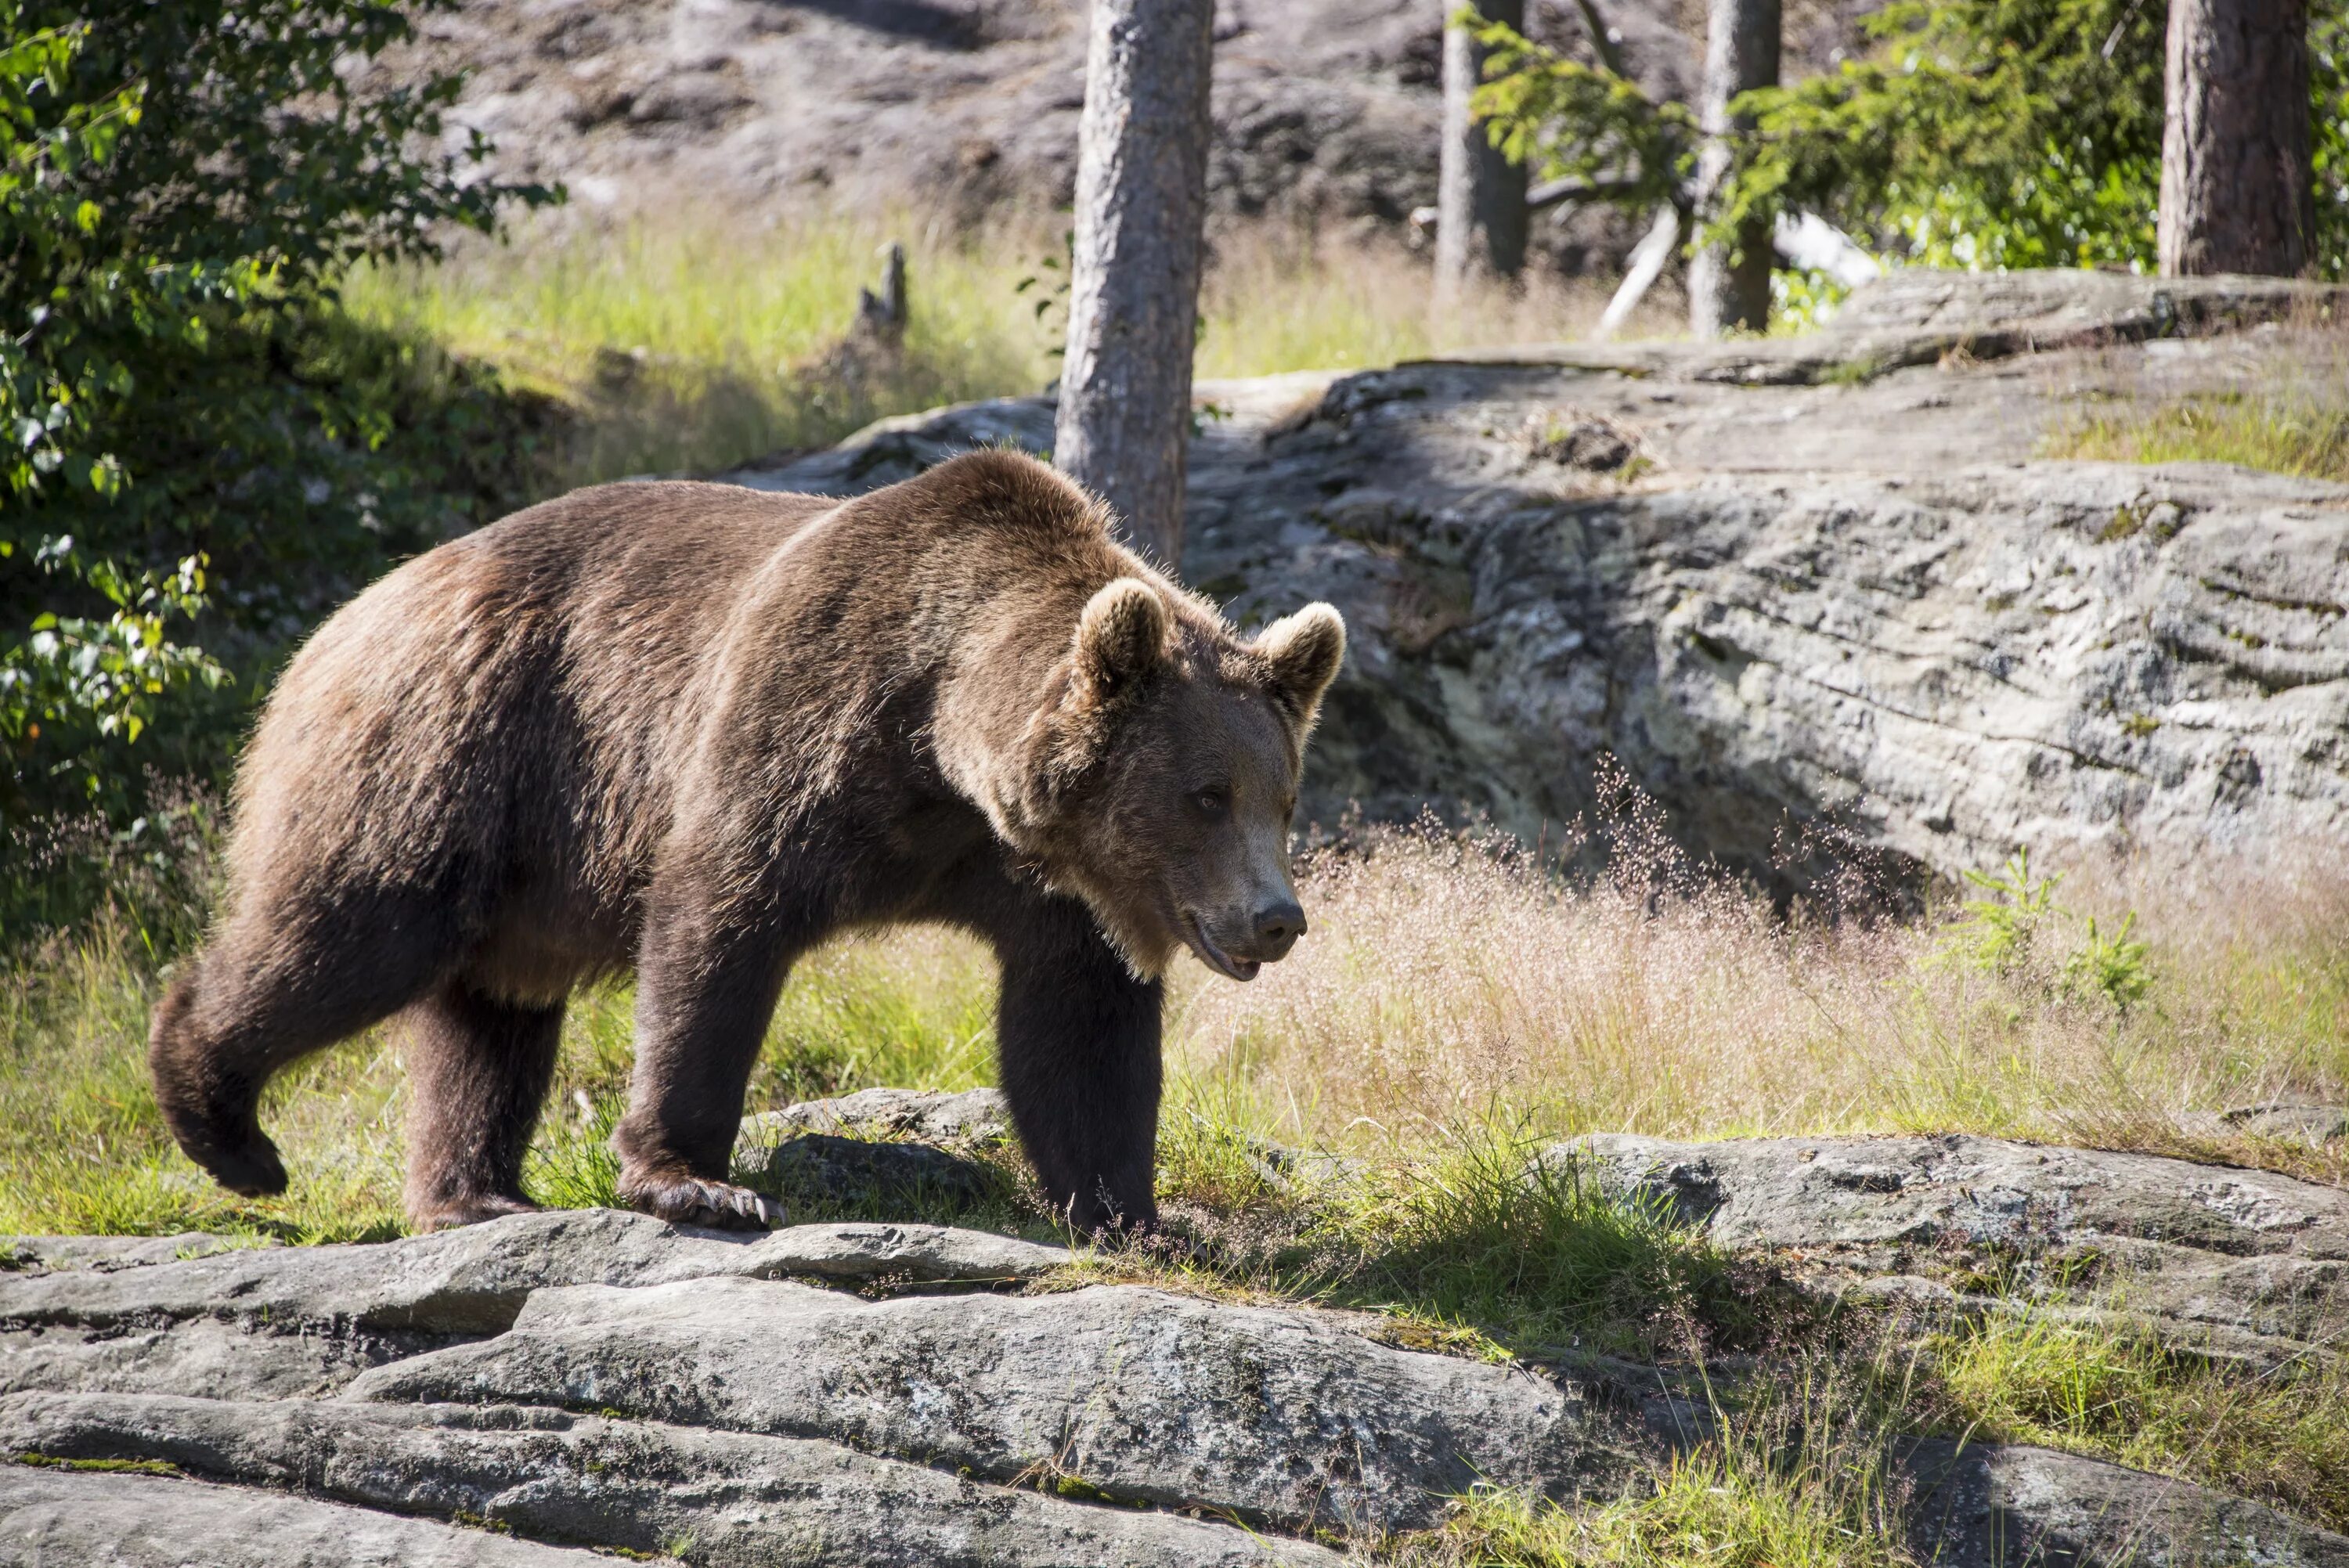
(257, 1000)
(479, 1069)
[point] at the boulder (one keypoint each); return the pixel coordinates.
(818, 1170)
(931, 1116)
(1264, 1414)
(2002, 1506)
(550, 1475)
(280, 1321)
(50, 1518)
(2242, 1262)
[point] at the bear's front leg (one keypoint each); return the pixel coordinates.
(706, 988)
(1078, 1037)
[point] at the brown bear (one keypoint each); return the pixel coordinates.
(696, 729)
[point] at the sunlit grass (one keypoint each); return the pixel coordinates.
(2289, 418)
(2279, 1434)
(2306, 434)
(1277, 300)
(697, 341)
(1791, 1482)
(694, 341)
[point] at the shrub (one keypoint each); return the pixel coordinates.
(199, 449)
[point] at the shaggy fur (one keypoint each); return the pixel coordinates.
(696, 729)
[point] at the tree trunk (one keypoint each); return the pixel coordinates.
(1134, 297)
(2236, 190)
(1729, 285)
(1480, 196)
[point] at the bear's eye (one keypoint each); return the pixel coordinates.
(1211, 802)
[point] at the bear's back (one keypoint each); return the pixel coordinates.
(498, 695)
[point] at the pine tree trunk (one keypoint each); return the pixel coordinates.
(1133, 297)
(1480, 196)
(2236, 190)
(1729, 285)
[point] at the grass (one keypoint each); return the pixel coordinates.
(2110, 1389)
(2290, 418)
(695, 341)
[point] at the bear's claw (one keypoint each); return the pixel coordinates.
(716, 1205)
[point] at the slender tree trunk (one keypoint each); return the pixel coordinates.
(1134, 298)
(1729, 285)
(1480, 196)
(2237, 194)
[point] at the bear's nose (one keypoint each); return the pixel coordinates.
(1277, 927)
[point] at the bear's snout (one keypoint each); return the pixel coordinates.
(1279, 924)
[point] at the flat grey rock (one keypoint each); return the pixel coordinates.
(42, 1254)
(1273, 1415)
(1990, 1506)
(68, 1518)
(2255, 1262)
(301, 1320)
(549, 1475)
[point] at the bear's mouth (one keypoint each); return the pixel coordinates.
(1194, 931)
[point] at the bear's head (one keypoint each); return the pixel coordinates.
(1160, 774)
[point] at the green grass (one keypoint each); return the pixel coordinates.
(2287, 410)
(2303, 433)
(2281, 1435)
(1792, 1482)
(697, 342)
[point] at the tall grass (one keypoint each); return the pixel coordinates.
(691, 340)
(1445, 978)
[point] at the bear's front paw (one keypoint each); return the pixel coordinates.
(690, 1200)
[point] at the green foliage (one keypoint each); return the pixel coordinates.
(2113, 968)
(1995, 933)
(1580, 121)
(1999, 934)
(1973, 133)
(195, 444)
(1978, 133)
(2328, 72)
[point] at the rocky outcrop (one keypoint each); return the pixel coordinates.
(281, 1321)
(51, 1518)
(518, 1392)
(1833, 592)
(641, 1486)
(2241, 1262)
(1267, 1415)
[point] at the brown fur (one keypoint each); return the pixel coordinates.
(694, 730)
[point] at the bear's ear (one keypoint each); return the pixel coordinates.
(1303, 652)
(1121, 637)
